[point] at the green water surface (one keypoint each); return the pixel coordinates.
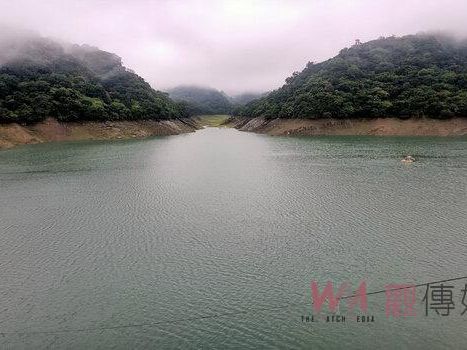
(210, 240)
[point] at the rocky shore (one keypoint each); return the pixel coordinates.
(376, 126)
(51, 130)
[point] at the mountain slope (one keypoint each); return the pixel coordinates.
(200, 100)
(415, 75)
(243, 99)
(41, 78)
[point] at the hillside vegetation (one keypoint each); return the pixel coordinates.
(201, 100)
(410, 76)
(41, 78)
(243, 99)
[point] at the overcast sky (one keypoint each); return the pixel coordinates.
(235, 46)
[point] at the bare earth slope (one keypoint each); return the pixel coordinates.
(376, 126)
(52, 130)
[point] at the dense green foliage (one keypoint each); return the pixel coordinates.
(239, 101)
(200, 100)
(40, 78)
(416, 75)
(243, 99)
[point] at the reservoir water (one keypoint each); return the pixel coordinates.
(211, 240)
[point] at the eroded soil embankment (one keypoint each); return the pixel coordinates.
(377, 126)
(52, 130)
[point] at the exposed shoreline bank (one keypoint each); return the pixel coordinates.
(51, 130)
(377, 126)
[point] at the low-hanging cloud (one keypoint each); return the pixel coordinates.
(232, 45)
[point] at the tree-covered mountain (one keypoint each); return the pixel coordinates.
(201, 100)
(41, 78)
(415, 75)
(239, 101)
(243, 99)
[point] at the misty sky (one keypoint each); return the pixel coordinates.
(234, 46)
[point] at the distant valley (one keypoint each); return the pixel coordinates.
(420, 76)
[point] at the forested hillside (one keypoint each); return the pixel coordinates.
(201, 100)
(410, 76)
(41, 78)
(243, 99)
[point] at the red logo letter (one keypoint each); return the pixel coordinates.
(328, 293)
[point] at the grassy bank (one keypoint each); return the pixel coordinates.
(213, 120)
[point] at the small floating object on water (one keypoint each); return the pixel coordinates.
(408, 159)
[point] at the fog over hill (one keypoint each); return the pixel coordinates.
(231, 45)
(40, 78)
(204, 100)
(201, 100)
(411, 76)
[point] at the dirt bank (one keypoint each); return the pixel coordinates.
(52, 130)
(377, 126)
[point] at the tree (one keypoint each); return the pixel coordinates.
(82, 83)
(415, 75)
